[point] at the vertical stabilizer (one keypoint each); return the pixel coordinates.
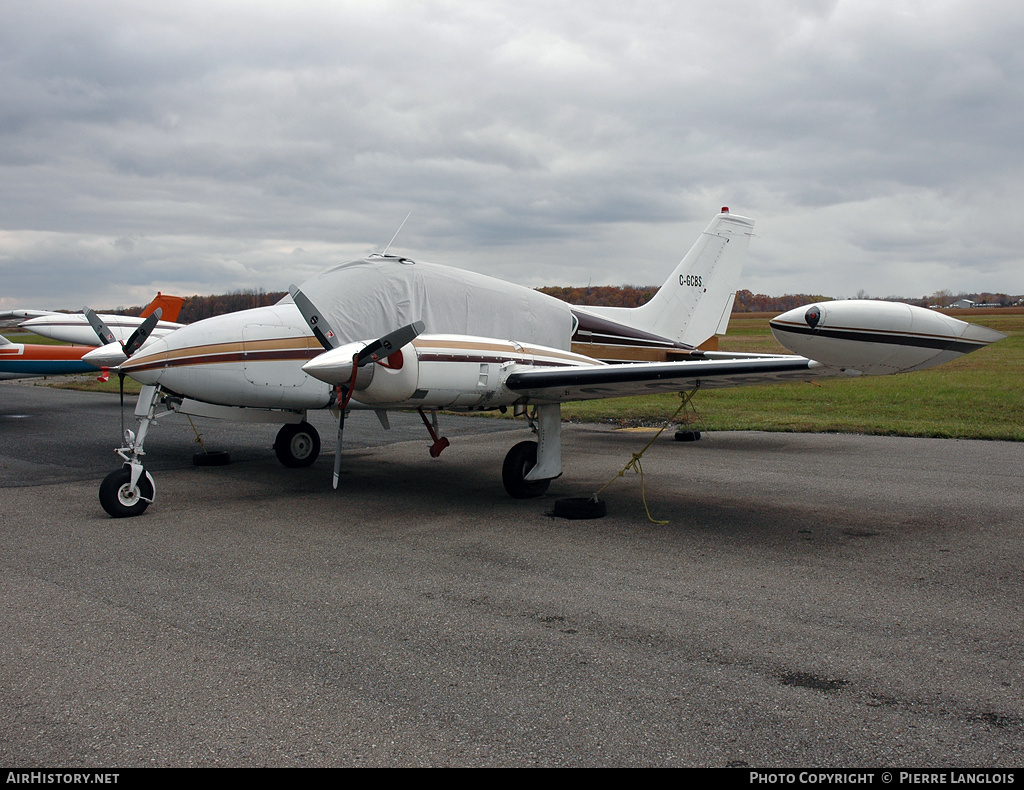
(695, 302)
(689, 307)
(170, 305)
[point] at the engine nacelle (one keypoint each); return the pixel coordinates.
(877, 338)
(391, 380)
(438, 371)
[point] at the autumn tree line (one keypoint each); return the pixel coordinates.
(196, 308)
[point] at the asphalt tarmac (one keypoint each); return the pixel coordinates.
(813, 601)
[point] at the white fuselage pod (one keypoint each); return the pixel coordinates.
(877, 338)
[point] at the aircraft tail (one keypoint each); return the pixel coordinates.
(170, 305)
(695, 302)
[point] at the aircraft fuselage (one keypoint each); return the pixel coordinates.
(478, 330)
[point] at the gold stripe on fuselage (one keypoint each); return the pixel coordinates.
(481, 345)
(214, 353)
(286, 348)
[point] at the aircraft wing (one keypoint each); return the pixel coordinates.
(558, 385)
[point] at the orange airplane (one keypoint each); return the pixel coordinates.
(24, 360)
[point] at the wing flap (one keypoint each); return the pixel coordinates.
(557, 385)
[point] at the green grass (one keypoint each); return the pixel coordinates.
(978, 396)
(20, 336)
(87, 382)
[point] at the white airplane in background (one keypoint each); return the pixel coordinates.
(391, 333)
(76, 328)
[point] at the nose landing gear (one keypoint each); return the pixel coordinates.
(121, 496)
(130, 490)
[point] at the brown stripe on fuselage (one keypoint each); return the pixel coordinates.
(305, 348)
(273, 350)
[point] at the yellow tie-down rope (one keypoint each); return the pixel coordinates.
(199, 436)
(634, 462)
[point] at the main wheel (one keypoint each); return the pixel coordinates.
(119, 499)
(297, 445)
(519, 461)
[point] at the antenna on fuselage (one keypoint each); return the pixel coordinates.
(385, 252)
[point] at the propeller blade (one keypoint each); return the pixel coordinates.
(102, 330)
(320, 326)
(141, 334)
(337, 452)
(120, 378)
(389, 344)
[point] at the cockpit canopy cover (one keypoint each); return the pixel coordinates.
(372, 296)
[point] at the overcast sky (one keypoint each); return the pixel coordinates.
(210, 146)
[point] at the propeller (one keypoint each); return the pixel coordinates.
(134, 343)
(320, 326)
(142, 333)
(99, 327)
(337, 450)
(323, 332)
(389, 344)
(135, 340)
(374, 351)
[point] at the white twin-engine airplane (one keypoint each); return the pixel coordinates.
(388, 333)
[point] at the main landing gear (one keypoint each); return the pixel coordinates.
(297, 445)
(518, 463)
(527, 471)
(529, 466)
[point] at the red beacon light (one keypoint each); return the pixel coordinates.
(725, 209)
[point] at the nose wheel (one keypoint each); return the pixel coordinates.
(123, 498)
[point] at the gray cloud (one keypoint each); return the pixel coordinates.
(195, 147)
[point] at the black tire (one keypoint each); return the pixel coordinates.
(687, 436)
(519, 461)
(580, 507)
(211, 458)
(297, 445)
(119, 500)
